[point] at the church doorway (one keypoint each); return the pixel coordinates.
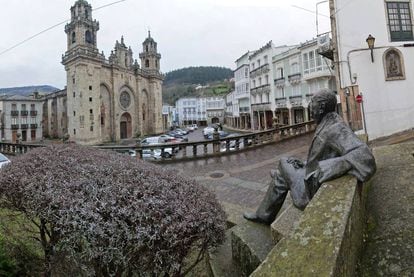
(126, 126)
(215, 120)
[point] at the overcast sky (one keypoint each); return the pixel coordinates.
(188, 32)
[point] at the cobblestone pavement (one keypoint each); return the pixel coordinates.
(240, 180)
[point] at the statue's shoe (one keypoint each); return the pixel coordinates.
(255, 218)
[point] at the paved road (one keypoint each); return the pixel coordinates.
(239, 180)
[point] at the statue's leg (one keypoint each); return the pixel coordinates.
(272, 202)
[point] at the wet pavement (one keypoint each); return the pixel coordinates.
(239, 180)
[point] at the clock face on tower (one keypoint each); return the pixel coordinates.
(125, 99)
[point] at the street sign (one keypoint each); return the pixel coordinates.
(358, 98)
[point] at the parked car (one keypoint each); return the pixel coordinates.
(179, 137)
(150, 140)
(3, 160)
(207, 131)
(194, 126)
(166, 138)
(222, 134)
(184, 132)
(148, 154)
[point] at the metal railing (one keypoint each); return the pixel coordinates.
(198, 149)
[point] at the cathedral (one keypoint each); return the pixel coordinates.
(108, 99)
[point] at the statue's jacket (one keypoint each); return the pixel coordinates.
(336, 150)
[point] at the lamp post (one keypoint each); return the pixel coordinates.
(371, 41)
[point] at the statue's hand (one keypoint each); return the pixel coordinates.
(296, 163)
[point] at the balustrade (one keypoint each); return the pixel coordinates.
(200, 149)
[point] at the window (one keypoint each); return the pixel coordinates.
(81, 121)
(246, 72)
(279, 73)
(254, 83)
(23, 107)
(266, 79)
(14, 107)
(88, 37)
(296, 90)
(74, 113)
(90, 87)
(147, 63)
(74, 94)
(265, 59)
(74, 131)
(305, 64)
(399, 21)
(312, 62)
(73, 37)
(280, 93)
(294, 68)
(260, 81)
(91, 128)
(32, 107)
(90, 99)
(258, 63)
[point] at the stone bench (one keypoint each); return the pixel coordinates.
(328, 237)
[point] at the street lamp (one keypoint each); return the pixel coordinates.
(371, 41)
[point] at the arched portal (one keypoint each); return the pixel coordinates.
(215, 120)
(126, 126)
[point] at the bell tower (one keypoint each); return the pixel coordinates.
(150, 59)
(82, 29)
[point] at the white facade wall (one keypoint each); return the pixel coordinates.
(21, 115)
(389, 105)
(191, 109)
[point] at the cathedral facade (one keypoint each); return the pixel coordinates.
(109, 99)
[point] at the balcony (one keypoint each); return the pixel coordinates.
(260, 70)
(33, 113)
(14, 113)
(261, 89)
(294, 78)
(281, 102)
(24, 126)
(261, 107)
(244, 110)
(33, 126)
(296, 101)
(15, 126)
(280, 82)
(24, 113)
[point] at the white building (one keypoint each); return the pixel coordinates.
(262, 87)
(298, 73)
(384, 79)
(21, 116)
(242, 113)
(215, 108)
(200, 110)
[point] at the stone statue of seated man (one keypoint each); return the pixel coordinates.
(335, 151)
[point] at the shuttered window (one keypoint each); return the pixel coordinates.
(399, 21)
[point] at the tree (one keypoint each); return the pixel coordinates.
(106, 214)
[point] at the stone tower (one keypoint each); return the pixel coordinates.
(150, 59)
(150, 64)
(81, 31)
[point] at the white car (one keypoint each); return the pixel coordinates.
(3, 160)
(207, 131)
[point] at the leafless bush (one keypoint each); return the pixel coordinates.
(109, 214)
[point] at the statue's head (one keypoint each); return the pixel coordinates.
(323, 102)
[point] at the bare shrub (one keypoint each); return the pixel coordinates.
(108, 214)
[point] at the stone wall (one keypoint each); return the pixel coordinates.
(328, 239)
